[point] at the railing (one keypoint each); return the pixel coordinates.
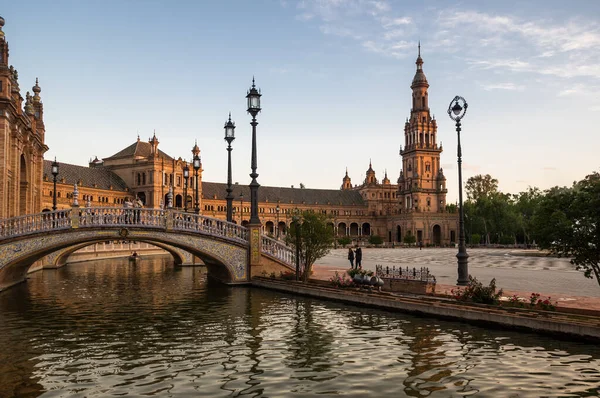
(33, 223)
(419, 274)
(277, 249)
(189, 222)
(88, 217)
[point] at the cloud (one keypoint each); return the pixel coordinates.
(502, 86)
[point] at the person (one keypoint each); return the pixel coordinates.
(421, 245)
(127, 205)
(138, 204)
(351, 257)
(358, 258)
(134, 254)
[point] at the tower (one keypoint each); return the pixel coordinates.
(346, 181)
(21, 142)
(422, 185)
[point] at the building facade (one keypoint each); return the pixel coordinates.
(22, 144)
(414, 206)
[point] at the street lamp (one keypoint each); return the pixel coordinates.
(54, 174)
(241, 208)
(229, 137)
(456, 111)
(253, 97)
(186, 176)
(296, 221)
(277, 210)
(197, 165)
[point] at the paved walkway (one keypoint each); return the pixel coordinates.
(516, 272)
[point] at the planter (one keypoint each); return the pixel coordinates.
(408, 286)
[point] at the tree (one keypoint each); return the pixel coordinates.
(410, 239)
(567, 222)
(375, 240)
(479, 187)
(314, 240)
(344, 240)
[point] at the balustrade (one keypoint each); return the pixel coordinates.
(277, 249)
(32, 223)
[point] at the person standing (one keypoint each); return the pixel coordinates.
(127, 205)
(358, 258)
(351, 257)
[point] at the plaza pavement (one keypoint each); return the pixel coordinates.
(520, 272)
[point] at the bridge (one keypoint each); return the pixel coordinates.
(232, 253)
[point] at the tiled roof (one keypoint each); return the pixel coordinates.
(138, 149)
(100, 176)
(211, 190)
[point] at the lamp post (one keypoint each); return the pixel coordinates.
(296, 221)
(54, 174)
(229, 137)
(253, 97)
(241, 207)
(456, 111)
(277, 210)
(196, 168)
(186, 176)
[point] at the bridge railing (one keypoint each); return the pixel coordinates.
(33, 223)
(121, 217)
(277, 249)
(191, 222)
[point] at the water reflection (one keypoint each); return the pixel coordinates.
(110, 328)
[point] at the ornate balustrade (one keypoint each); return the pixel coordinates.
(87, 217)
(417, 274)
(34, 223)
(278, 250)
(190, 222)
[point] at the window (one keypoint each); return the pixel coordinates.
(423, 105)
(0, 85)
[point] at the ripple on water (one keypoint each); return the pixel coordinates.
(103, 328)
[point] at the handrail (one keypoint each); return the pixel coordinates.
(278, 249)
(87, 217)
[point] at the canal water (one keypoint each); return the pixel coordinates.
(109, 328)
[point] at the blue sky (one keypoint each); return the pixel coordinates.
(335, 77)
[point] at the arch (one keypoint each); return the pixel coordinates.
(245, 223)
(342, 229)
(142, 196)
(226, 260)
(354, 229)
(23, 185)
(398, 233)
(178, 201)
(282, 228)
(437, 235)
(366, 229)
(270, 228)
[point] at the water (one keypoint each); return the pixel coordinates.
(107, 328)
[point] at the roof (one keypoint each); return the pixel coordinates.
(102, 177)
(138, 149)
(286, 195)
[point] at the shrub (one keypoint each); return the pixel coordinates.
(340, 280)
(344, 240)
(410, 239)
(287, 275)
(475, 239)
(375, 240)
(477, 293)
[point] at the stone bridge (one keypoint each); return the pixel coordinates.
(225, 248)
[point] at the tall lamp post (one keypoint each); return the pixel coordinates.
(196, 168)
(229, 137)
(54, 174)
(253, 97)
(186, 177)
(277, 210)
(296, 221)
(456, 111)
(241, 207)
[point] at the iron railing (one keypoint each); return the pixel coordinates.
(419, 274)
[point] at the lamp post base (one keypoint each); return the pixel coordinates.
(463, 268)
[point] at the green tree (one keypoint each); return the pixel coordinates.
(480, 186)
(567, 222)
(314, 240)
(525, 205)
(344, 240)
(375, 240)
(410, 239)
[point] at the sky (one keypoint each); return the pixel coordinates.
(335, 77)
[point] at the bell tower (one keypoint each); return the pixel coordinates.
(422, 185)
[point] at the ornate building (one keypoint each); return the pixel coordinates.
(416, 205)
(21, 141)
